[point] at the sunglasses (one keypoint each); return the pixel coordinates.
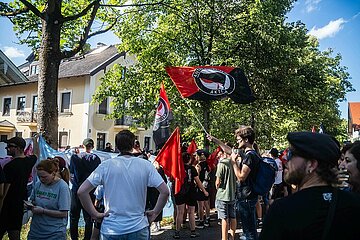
(289, 154)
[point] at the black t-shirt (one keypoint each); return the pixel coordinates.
(81, 166)
(251, 159)
(17, 173)
(303, 215)
(189, 181)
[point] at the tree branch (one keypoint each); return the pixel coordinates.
(33, 9)
(84, 36)
(131, 5)
(15, 12)
(82, 13)
(103, 31)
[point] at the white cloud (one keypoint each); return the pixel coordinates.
(312, 5)
(330, 30)
(12, 52)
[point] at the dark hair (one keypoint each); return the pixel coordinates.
(125, 141)
(355, 151)
(63, 170)
(246, 132)
(327, 172)
(186, 157)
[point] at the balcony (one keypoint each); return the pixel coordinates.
(125, 122)
(25, 118)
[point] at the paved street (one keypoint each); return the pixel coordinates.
(211, 233)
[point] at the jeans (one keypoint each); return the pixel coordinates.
(75, 210)
(247, 211)
(142, 234)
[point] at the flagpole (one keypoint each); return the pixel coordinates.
(196, 117)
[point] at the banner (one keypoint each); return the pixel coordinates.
(163, 117)
(211, 83)
(170, 159)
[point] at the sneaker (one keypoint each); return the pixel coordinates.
(176, 235)
(194, 234)
(200, 225)
(259, 223)
(207, 222)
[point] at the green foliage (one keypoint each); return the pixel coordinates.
(297, 86)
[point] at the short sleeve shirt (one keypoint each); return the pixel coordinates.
(225, 172)
(251, 160)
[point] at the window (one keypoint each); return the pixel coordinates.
(18, 134)
(3, 138)
(147, 143)
(34, 69)
(35, 103)
(20, 104)
(65, 102)
(103, 106)
(100, 141)
(63, 139)
(6, 106)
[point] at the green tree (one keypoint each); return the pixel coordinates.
(57, 29)
(296, 85)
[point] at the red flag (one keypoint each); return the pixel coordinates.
(192, 147)
(313, 129)
(213, 158)
(211, 83)
(170, 159)
(163, 117)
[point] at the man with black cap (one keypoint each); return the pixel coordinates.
(17, 173)
(81, 166)
(317, 210)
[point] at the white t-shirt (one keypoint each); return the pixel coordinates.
(279, 173)
(125, 180)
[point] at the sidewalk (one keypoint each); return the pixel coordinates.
(208, 233)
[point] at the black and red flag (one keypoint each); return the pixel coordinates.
(211, 83)
(163, 117)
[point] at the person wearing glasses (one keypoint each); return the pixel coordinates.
(16, 172)
(317, 210)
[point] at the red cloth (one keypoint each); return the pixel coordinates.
(170, 159)
(313, 129)
(212, 160)
(192, 147)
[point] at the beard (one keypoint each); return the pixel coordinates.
(295, 177)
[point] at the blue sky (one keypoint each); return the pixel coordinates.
(336, 23)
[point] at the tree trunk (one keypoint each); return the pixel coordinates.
(49, 61)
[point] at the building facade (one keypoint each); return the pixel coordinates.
(354, 120)
(79, 77)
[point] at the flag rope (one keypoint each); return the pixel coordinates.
(196, 117)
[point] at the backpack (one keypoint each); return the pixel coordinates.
(265, 176)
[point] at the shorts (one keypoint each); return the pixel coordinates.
(226, 210)
(200, 196)
(188, 199)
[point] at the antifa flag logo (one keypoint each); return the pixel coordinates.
(207, 83)
(214, 82)
(162, 113)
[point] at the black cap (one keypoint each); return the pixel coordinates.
(274, 152)
(201, 152)
(320, 147)
(18, 141)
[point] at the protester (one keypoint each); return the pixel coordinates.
(64, 172)
(108, 147)
(225, 196)
(277, 190)
(352, 165)
(203, 170)
(50, 203)
(81, 166)
(17, 172)
(187, 197)
(125, 179)
(317, 210)
(246, 174)
(4, 187)
(99, 205)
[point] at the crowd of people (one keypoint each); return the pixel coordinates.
(120, 197)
